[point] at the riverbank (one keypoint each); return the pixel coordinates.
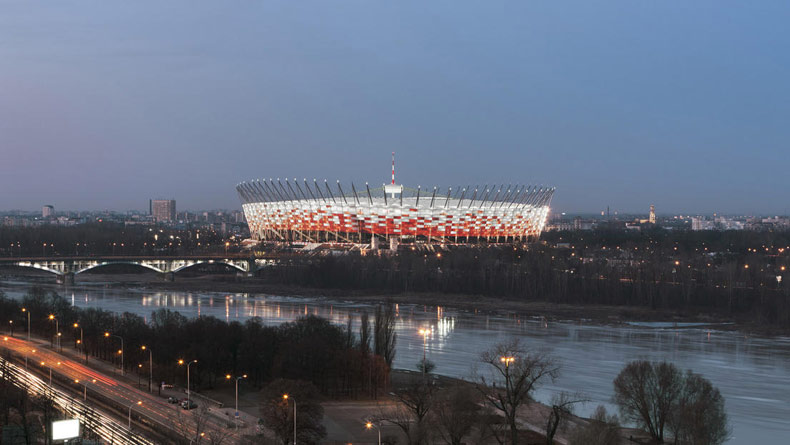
(603, 314)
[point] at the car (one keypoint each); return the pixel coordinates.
(188, 404)
(173, 400)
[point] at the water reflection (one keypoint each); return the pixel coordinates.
(752, 372)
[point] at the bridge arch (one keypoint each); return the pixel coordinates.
(111, 263)
(37, 266)
(199, 262)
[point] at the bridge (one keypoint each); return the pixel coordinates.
(65, 268)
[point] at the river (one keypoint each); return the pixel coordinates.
(753, 373)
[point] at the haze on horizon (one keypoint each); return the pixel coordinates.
(679, 104)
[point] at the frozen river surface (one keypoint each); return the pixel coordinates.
(753, 373)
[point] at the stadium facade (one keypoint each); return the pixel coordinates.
(298, 211)
(306, 211)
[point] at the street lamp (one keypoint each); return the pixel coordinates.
(285, 397)
(28, 322)
(33, 351)
(11, 327)
(85, 384)
(80, 341)
(150, 366)
(507, 360)
(425, 333)
(227, 376)
(57, 329)
(370, 425)
(50, 373)
(139, 402)
(181, 362)
(120, 351)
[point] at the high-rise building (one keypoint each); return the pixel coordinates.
(652, 218)
(47, 211)
(163, 210)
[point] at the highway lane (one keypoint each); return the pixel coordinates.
(77, 376)
(101, 423)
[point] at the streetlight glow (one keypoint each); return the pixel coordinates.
(507, 360)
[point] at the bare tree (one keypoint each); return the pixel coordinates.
(191, 427)
(411, 413)
(516, 373)
(219, 436)
(456, 413)
(699, 416)
(384, 336)
(647, 392)
(601, 429)
(277, 412)
(561, 410)
(364, 334)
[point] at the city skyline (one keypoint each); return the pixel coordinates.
(619, 104)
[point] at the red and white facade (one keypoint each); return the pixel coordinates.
(292, 211)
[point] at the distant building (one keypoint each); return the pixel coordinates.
(700, 223)
(163, 210)
(652, 218)
(582, 224)
(47, 211)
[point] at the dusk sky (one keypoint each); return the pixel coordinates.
(681, 104)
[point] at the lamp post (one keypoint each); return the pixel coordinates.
(236, 415)
(50, 373)
(139, 402)
(150, 366)
(57, 329)
(33, 351)
(181, 362)
(11, 327)
(425, 333)
(80, 341)
(85, 384)
(107, 334)
(286, 397)
(28, 322)
(370, 425)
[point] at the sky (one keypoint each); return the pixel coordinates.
(620, 103)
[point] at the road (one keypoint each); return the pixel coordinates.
(153, 411)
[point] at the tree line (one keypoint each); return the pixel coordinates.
(337, 360)
(741, 275)
(108, 238)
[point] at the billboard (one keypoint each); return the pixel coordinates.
(65, 429)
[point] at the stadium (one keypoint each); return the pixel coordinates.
(308, 212)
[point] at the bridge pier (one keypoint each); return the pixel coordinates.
(67, 279)
(169, 276)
